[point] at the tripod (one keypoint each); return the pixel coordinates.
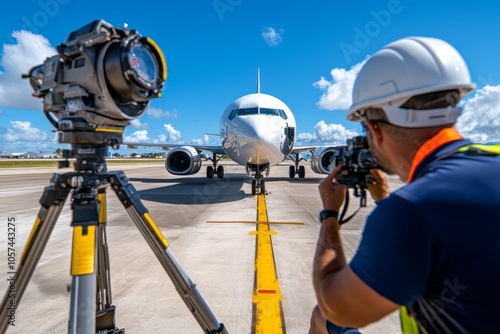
(91, 308)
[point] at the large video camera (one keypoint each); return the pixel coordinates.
(101, 78)
(357, 160)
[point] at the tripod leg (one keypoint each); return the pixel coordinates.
(104, 297)
(82, 317)
(105, 318)
(52, 202)
(129, 197)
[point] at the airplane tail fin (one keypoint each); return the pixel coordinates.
(258, 80)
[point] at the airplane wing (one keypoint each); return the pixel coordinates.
(210, 148)
(300, 149)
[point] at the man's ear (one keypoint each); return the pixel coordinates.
(375, 131)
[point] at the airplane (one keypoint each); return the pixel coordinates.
(257, 131)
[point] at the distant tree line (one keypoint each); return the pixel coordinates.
(142, 155)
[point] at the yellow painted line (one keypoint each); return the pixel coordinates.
(268, 315)
(251, 222)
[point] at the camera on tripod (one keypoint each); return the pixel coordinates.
(357, 160)
(102, 78)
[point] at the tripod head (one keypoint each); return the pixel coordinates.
(101, 79)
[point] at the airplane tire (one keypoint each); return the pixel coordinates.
(210, 172)
(254, 187)
(220, 172)
(291, 171)
(262, 187)
(302, 172)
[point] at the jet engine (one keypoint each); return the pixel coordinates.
(322, 156)
(184, 160)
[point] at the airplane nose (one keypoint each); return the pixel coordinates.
(256, 129)
(261, 133)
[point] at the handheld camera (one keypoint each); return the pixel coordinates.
(357, 160)
(101, 79)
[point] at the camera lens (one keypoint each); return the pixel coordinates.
(135, 70)
(143, 63)
(366, 160)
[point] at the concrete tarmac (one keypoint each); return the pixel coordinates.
(219, 258)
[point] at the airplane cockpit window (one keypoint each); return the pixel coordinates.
(283, 114)
(233, 114)
(248, 111)
(269, 112)
(255, 111)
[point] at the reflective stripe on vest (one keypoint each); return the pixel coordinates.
(481, 149)
(408, 322)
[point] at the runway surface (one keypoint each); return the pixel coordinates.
(218, 257)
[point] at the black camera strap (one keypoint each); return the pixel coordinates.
(344, 210)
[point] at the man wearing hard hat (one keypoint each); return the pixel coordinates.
(432, 248)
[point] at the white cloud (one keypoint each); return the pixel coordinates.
(161, 139)
(23, 132)
(23, 137)
(337, 93)
(480, 120)
(334, 134)
(272, 37)
(158, 113)
(174, 136)
(17, 59)
(200, 141)
(140, 136)
(136, 123)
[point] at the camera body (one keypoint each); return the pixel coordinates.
(357, 161)
(101, 79)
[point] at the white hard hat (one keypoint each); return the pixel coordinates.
(405, 68)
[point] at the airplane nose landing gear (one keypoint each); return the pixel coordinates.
(258, 183)
(258, 187)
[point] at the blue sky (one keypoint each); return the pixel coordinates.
(308, 53)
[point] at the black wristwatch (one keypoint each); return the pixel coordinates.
(324, 214)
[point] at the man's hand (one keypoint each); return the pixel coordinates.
(379, 188)
(332, 193)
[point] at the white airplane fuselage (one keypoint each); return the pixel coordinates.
(257, 129)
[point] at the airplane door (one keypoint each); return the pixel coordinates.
(291, 135)
(289, 140)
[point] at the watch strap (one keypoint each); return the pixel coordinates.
(324, 214)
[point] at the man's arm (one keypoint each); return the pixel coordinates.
(342, 297)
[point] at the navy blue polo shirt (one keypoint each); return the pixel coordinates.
(434, 244)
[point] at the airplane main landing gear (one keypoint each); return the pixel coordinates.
(218, 170)
(297, 170)
(301, 172)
